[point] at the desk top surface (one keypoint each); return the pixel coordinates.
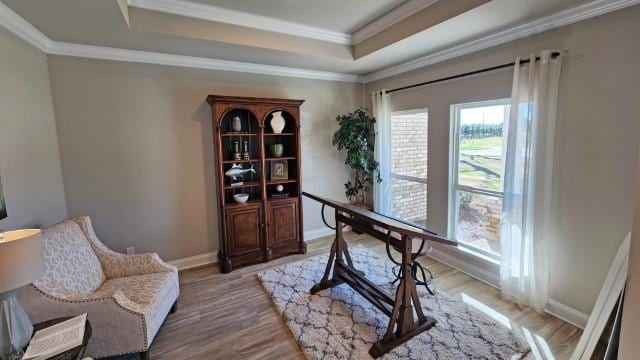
(380, 220)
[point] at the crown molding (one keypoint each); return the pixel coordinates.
(239, 18)
(107, 53)
(393, 17)
(562, 18)
(17, 25)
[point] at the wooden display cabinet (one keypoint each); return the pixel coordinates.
(269, 224)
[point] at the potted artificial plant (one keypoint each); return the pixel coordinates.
(356, 136)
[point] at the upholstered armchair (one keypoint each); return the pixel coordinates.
(126, 297)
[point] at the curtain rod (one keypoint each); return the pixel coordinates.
(554, 55)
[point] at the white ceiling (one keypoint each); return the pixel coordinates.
(345, 16)
(101, 23)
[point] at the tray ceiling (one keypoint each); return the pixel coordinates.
(352, 16)
(283, 34)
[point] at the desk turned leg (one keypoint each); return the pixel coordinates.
(402, 326)
(338, 250)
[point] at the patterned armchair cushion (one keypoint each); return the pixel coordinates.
(71, 266)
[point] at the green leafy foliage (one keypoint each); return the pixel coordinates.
(356, 136)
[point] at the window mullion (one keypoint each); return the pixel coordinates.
(479, 191)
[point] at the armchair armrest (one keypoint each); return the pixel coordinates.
(120, 265)
(108, 314)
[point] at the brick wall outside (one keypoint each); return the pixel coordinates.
(409, 158)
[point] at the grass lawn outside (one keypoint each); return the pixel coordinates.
(481, 144)
(481, 163)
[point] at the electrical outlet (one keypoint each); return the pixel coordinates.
(131, 250)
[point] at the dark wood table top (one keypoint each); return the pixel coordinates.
(77, 353)
(381, 220)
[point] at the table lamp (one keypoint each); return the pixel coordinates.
(21, 262)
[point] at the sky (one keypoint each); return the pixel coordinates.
(490, 114)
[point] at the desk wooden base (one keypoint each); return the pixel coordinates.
(400, 308)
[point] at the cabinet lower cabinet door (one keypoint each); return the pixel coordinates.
(283, 223)
(244, 230)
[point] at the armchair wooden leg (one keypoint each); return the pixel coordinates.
(174, 307)
(144, 355)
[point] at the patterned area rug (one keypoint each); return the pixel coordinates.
(339, 323)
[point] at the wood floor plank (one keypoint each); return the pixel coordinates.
(230, 316)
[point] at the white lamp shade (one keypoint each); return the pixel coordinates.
(21, 258)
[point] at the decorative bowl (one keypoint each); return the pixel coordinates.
(277, 150)
(241, 198)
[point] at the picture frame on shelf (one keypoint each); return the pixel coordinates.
(279, 170)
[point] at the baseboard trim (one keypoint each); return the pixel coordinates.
(318, 233)
(488, 273)
(475, 267)
(195, 261)
(212, 257)
(567, 313)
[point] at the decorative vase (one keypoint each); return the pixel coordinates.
(277, 122)
(277, 150)
(236, 124)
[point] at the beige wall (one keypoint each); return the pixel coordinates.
(137, 151)
(597, 135)
(29, 157)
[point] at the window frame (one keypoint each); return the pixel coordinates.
(454, 160)
(393, 175)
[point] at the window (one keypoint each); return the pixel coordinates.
(478, 144)
(409, 166)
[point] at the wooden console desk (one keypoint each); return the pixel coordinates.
(398, 235)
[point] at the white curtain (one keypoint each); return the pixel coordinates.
(527, 220)
(382, 113)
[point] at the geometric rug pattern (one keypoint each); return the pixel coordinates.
(338, 323)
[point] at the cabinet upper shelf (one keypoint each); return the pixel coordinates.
(239, 134)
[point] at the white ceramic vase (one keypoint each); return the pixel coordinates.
(236, 124)
(277, 122)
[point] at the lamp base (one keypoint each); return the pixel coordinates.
(16, 328)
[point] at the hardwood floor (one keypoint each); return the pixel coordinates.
(230, 316)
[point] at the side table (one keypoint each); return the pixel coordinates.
(77, 353)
